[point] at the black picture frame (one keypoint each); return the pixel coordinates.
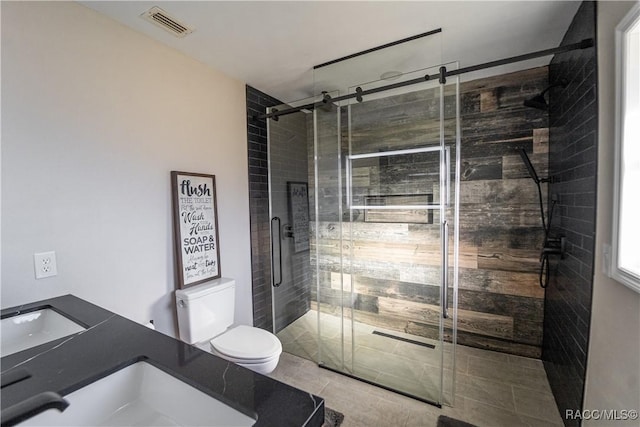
(298, 196)
(195, 227)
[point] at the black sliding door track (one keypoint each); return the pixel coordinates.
(442, 75)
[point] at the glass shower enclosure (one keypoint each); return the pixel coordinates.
(364, 225)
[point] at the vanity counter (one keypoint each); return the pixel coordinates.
(112, 342)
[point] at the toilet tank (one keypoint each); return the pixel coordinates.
(205, 310)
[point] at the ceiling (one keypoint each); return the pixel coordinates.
(273, 46)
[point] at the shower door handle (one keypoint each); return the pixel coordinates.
(273, 240)
(447, 179)
(445, 269)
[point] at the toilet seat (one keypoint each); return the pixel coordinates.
(248, 362)
(247, 344)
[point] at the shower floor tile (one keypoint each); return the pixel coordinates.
(492, 389)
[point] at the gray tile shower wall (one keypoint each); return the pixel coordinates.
(288, 167)
(257, 102)
(288, 164)
(573, 119)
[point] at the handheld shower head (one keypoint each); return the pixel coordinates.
(530, 168)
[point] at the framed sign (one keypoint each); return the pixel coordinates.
(298, 193)
(195, 227)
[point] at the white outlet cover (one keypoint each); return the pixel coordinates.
(44, 264)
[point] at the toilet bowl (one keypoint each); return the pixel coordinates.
(205, 318)
(250, 347)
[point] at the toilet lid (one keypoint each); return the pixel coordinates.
(247, 342)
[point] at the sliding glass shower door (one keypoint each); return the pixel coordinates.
(386, 251)
(363, 191)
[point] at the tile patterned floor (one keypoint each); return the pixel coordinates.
(492, 389)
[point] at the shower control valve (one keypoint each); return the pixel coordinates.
(555, 246)
(287, 231)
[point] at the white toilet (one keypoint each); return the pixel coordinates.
(205, 318)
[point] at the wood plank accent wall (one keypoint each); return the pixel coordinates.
(395, 267)
(500, 212)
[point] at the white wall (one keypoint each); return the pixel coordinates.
(613, 366)
(95, 116)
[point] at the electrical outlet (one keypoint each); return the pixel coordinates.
(45, 264)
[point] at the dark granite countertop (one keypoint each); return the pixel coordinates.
(112, 342)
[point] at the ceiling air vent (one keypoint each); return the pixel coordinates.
(164, 20)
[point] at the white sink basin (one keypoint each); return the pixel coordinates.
(34, 328)
(141, 395)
